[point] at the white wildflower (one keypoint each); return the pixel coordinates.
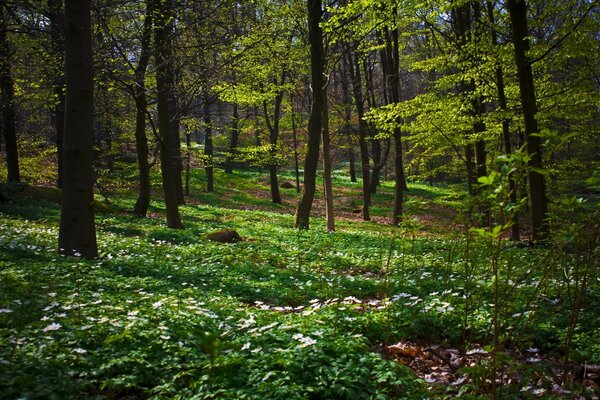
(52, 327)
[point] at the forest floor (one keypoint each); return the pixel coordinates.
(369, 311)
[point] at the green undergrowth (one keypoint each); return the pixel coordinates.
(284, 314)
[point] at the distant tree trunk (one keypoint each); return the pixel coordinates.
(327, 167)
(515, 228)
(296, 168)
(208, 146)
(7, 108)
(354, 69)
(77, 232)
(233, 141)
(315, 122)
(346, 98)
(273, 127)
(351, 160)
(393, 71)
(143, 201)
(176, 158)
(517, 10)
(164, 88)
(57, 28)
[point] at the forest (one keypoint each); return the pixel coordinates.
(299, 199)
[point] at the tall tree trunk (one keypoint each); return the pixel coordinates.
(273, 127)
(327, 167)
(296, 168)
(346, 98)
(354, 69)
(393, 71)
(208, 146)
(233, 140)
(7, 108)
(165, 89)
(537, 188)
(515, 228)
(176, 158)
(57, 31)
(141, 142)
(77, 231)
(315, 122)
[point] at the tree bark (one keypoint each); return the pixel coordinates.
(315, 122)
(208, 146)
(327, 167)
(233, 140)
(77, 232)
(296, 169)
(143, 200)
(515, 228)
(517, 10)
(392, 76)
(273, 139)
(354, 69)
(164, 97)
(7, 108)
(57, 28)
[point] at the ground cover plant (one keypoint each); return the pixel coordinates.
(370, 311)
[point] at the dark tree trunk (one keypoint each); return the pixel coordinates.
(537, 188)
(176, 158)
(273, 139)
(515, 228)
(315, 122)
(208, 146)
(327, 167)
(296, 167)
(57, 31)
(392, 71)
(164, 88)
(346, 98)
(143, 201)
(351, 160)
(354, 69)
(77, 232)
(7, 107)
(233, 140)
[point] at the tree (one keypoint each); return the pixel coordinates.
(7, 107)
(165, 87)
(143, 200)
(77, 232)
(537, 188)
(57, 27)
(315, 122)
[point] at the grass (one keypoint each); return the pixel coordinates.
(282, 314)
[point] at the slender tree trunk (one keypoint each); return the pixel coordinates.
(208, 146)
(176, 158)
(77, 231)
(143, 200)
(164, 97)
(233, 140)
(351, 160)
(327, 167)
(393, 71)
(537, 187)
(353, 68)
(57, 31)
(515, 228)
(7, 107)
(273, 139)
(296, 168)
(315, 122)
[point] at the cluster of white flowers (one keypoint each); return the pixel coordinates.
(305, 341)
